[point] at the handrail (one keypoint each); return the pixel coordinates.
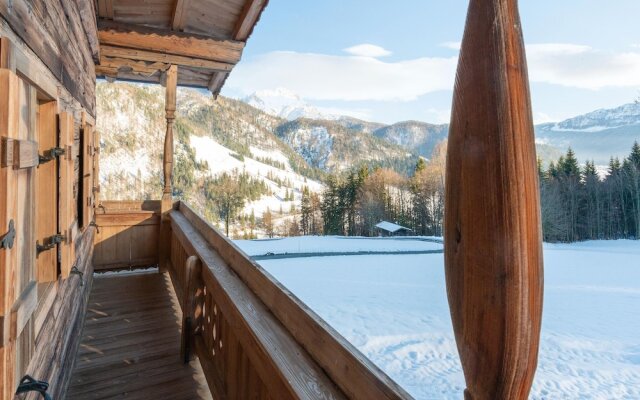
(280, 327)
(281, 365)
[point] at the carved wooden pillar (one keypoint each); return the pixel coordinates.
(167, 166)
(493, 251)
(170, 111)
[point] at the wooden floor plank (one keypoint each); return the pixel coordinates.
(130, 345)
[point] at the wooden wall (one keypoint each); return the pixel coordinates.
(57, 64)
(62, 39)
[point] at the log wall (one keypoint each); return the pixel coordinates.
(54, 31)
(45, 45)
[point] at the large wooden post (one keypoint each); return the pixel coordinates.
(493, 252)
(170, 115)
(167, 166)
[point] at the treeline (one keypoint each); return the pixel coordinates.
(577, 204)
(226, 194)
(353, 203)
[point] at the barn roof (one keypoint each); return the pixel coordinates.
(391, 227)
(139, 39)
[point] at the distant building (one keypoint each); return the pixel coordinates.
(386, 228)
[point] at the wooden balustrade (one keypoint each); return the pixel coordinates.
(253, 338)
(127, 234)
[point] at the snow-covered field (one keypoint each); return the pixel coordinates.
(394, 309)
(335, 244)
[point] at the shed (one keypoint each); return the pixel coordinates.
(386, 228)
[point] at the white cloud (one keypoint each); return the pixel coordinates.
(636, 46)
(582, 66)
(452, 45)
(349, 78)
(437, 116)
(366, 78)
(368, 50)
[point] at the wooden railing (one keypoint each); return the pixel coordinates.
(255, 339)
(127, 234)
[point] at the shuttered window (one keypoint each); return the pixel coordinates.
(66, 216)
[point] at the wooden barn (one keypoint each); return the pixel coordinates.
(386, 228)
(209, 323)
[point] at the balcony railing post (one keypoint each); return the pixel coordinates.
(192, 294)
(493, 251)
(167, 166)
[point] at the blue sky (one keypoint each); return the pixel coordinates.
(583, 55)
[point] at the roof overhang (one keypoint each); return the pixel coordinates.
(139, 40)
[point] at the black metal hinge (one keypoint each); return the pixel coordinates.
(51, 154)
(49, 243)
(6, 241)
(28, 384)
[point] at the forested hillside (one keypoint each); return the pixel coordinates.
(254, 173)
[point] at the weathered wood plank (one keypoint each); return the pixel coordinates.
(170, 42)
(22, 310)
(180, 13)
(493, 251)
(47, 192)
(248, 19)
(164, 58)
(122, 356)
(50, 31)
(87, 11)
(282, 364)
(67, 218)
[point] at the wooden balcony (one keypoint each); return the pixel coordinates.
(144, 331)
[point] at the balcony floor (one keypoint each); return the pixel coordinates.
(130, 345)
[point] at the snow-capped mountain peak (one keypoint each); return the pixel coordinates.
(285, 104)
(599, 120)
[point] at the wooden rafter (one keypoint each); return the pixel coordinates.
(250, 14)
(105, 8)
(180, 11)
(216, 82)
(143, 55)
(175, 43)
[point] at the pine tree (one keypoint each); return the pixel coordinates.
(267, 223)
(305, 209)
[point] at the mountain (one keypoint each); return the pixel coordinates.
(277, 157)
(418, 137)
(332, 146)
(285, 104)
(597, 135)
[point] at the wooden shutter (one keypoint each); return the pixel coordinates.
(46, 192)
(18, 290)
(96, 168)
(87, 172)
(66, 217)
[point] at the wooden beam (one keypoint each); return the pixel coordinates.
(175, 43)
(90, 26)
(137, 67)
(150, 56)
(105, 8)
(493, 251)
(216, 82)
(248, 19)
(180, 12)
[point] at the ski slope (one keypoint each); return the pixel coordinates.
(394, 309)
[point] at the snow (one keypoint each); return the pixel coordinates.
(220, 159)
(389, 226)
(334, 244)
(394, 309)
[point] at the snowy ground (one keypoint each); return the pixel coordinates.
(394, 309)
(335, 244)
